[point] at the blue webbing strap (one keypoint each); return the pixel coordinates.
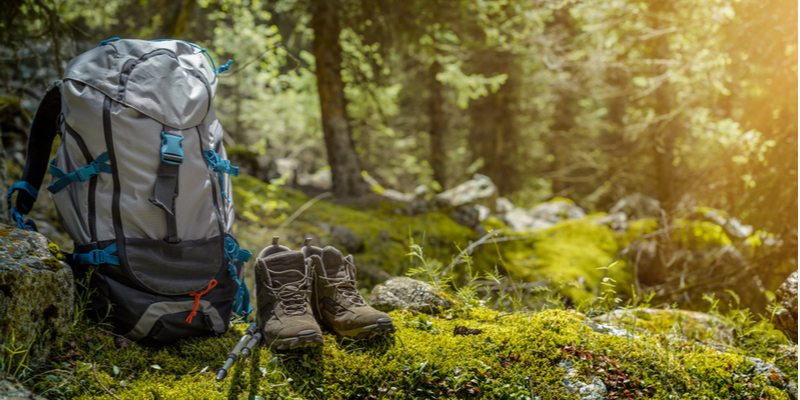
(81, 175)
(97, 257)
(221, 166)
(241, 306)
(17, 214)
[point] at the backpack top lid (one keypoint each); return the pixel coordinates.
(170, 81)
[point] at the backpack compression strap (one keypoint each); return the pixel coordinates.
(43, 130)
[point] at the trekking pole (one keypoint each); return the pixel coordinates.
(231, 358)
(254, 341)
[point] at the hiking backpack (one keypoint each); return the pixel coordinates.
(141, 185)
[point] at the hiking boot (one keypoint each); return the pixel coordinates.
(284, 281)
(337, 302)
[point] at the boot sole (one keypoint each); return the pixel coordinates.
(383, 325)
(309, 338)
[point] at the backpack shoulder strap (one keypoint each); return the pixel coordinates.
(43, 131)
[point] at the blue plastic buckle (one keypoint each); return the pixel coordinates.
(98, 257)
(244, 255)
(171, 149)
(84, 173)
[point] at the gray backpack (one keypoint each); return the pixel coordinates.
(142, 186)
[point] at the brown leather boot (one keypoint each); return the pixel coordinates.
(284, 281)
(337, 302)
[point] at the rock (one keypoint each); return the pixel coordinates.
(349, 239)
(609, 330)
(553, 211)
(594, 390)
(478, 189)
(320, 179)
(36, 293)
(694, 325)
(503, 205)
(12, 389)
(775, 377)
(733, 227)
(617, 221)
(786, 320)
(396, 195)
(518, 219)
(637, 206)
(483, 212)
(404, 292)
(542, 216)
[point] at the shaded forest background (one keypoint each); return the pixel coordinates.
(693, 103)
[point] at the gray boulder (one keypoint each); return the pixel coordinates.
(12, 389)
(36, 293)
(786, 319)
(351, 241)
(404, 292)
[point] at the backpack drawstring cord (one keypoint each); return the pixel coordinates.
(197, 296)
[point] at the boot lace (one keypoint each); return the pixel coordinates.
(346, 288)
(292, 299)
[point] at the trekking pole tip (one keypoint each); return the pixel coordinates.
(221, 374)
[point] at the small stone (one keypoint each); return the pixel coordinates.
(121, 343)
(351, 241)
(404, 292)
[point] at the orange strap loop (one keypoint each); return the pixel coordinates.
(197, 296)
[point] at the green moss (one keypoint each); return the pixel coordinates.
(385, 228)
(53, 263)
(514, 355)
(56, 251)
(571, 252)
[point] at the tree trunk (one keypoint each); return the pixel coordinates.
(438, 127)
(342, 157)
(494, 136)
(663, 134)
(174, 15)
(565, 111)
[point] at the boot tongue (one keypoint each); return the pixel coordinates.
(334, 263)
(286, 268)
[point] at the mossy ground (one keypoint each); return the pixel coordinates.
(572, 253)
(515, 357)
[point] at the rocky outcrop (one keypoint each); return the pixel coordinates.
(36, 294)
(694, 325)
(403, 292)
(786, 319)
